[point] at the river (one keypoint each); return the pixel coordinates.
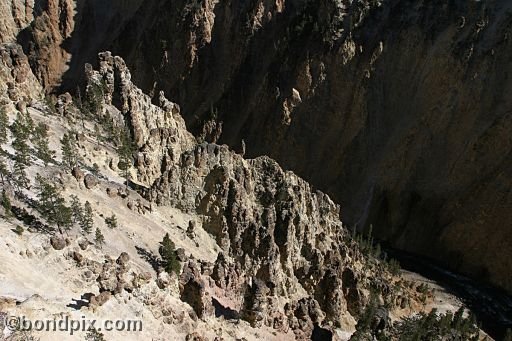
(492, 306)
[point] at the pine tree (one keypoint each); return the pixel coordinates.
(99, 239)
(51, 205)
(4, 172)
(6, 204)
(43, 151)
(94, 335)
(168, 254)
(21, 131)
(4, 124)
(76, 209)
(126, 148)
(111, 221)
(69, 151)
(87, 222)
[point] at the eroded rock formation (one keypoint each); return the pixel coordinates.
(397, 109)
(286, 256)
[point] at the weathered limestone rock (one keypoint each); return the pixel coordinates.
(279, 237)
(90, 181)
(78, 174)
(58, 243)
(101, 299)
(192, 291)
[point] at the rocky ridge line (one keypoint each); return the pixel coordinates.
(285, 250)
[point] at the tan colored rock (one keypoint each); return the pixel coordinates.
(90, 181)
(58, 243)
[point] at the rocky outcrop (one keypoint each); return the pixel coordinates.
(18, 85)
(193, 291)
(285, 249)
(159, 132)
(14, 17)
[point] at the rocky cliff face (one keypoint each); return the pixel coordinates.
(286, 256)
(398, 109)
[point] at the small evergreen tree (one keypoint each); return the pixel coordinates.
(6, 204)
(19, 230)
(21, 129)
(51, 205)
(69, 150)
(99, 239)
(111, 221)
(126, 148)
(94, 98)
(168, 254)
(87, 222)
(369, 312)
(4, 172)
(94, 335)
(76, 209)
(4, 124)
(43, 151)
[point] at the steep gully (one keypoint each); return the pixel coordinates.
(397, 109)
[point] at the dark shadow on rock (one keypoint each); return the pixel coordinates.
(149, 257)
(83, 301)
(226, 312)
(321, 334)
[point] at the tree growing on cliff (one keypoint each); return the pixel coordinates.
(168, 253)
(43, 151)
(69, 150)
(126, 148)
(4, 125)
(6, 204)
(111, 221)
(94, 335)
(52, 206)
(76, 209)
(99, 239)
(21, 130)
(87, 222)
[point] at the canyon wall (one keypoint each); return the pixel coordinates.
(397, 109)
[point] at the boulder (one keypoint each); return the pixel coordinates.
(123, 259)
(58, 243)
(90, 181)
(78, 173)
(163, 280)
(83, 243)
(101, 299)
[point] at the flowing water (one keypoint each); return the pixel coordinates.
(492, 306)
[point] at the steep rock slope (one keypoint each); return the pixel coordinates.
(263, 256)
(398, 109)
(284, 248)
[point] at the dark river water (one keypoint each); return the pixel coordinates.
(492, 306)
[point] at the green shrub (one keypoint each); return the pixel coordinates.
(19, 230)
(168, 254)
(111, 221)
